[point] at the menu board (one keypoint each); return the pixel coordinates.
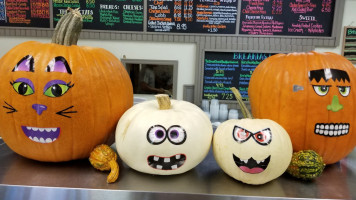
(122, 15)
(223, 70)
(294, 17)
(349, 44)
(24, 13)
(189, 16)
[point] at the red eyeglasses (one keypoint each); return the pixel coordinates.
(263, 137)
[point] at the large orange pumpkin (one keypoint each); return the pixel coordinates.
(60, 101)
(311, 95)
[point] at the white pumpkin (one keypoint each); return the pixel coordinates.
(163, 137)
(254, 151)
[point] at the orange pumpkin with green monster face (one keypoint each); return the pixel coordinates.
(312, 96)
(58, 101)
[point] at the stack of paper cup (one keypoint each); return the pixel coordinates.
(214, 110)
(205, 105)
(233, 114)
(223, 112)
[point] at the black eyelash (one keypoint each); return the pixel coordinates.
(69, 85)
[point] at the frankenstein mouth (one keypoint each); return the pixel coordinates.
(166, 163)
(251, 165)
(41, 135)
(332, 130)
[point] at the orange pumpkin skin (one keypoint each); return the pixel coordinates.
(101, 92)
(280, 90)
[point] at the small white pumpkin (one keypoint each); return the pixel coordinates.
(163, 137)
(254, 151)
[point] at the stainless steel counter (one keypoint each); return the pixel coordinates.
(21, 178)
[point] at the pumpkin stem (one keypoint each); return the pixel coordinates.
(114, 173)
(68, 28)
(245, 112)
(164, 102)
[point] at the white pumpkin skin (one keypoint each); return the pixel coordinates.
(134, 147)
(279, 149)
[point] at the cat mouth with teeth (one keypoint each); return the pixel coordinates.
(41, 135)
(166, 163)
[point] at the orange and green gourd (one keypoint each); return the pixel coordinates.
(306, 165)
(60, 100)
(103, 158)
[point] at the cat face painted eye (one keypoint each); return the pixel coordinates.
(56, 88)
(23, 86)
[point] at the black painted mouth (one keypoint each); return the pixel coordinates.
(251, 165)
(332, 129)
(166, 163)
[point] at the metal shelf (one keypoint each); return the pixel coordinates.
(22, 178)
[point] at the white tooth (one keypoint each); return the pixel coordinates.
(48, 129)
(321, 131)
(54, 139)
(28, 128)
(343, 132)
(30, 137)
(41, 129)
(174, 167)
(167, 160)
(48, 140)
(335, 133)
(336, 127)
(177, 156)
(155, 158)
(332, 126)
(245, 161)
(54, 129)
(326, 132)
(317, 131)
(258, 162)
(35, 128)
(326, 126)
(344, 126)
(35, 139)
(322, 126)
(339, 132)
(317, 126)
(159, 166)
(42, 140)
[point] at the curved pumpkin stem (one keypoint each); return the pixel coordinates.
(245, 112)
(68, 28)
(164, 102)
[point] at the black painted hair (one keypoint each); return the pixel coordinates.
(326, 74)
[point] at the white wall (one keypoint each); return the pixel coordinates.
(184, 53)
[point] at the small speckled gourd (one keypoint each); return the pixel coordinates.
(306, 165)
(104, 158)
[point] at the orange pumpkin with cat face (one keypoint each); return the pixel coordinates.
(59, 102)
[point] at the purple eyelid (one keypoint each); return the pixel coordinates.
(53, 82)
(27, 81)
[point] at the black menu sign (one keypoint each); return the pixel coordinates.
(294, 17)
(189, 16)
(122, 15)
(24, 13)
(223, 70)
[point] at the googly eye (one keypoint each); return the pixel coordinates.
(240, 135)
(176, 135)
(156, 134)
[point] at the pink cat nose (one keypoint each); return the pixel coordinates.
(39, 108)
